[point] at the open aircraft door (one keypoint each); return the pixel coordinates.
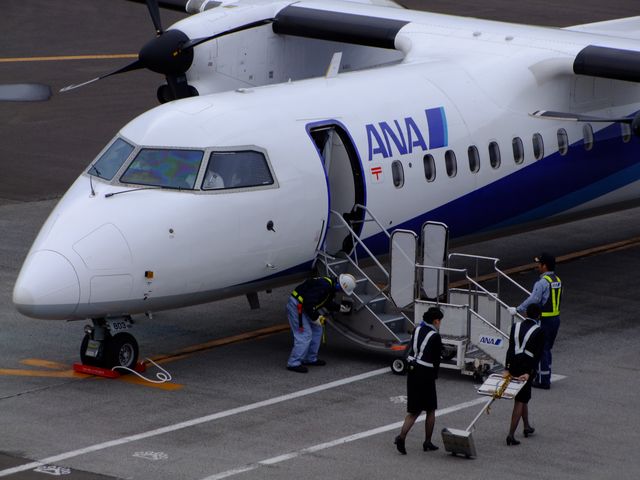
(435, 246)
(404, 246)
(345, 182)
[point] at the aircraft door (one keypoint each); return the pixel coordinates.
(344, 182)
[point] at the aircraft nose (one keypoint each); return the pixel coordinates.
(47, 286)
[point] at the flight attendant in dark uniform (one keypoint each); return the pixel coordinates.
(526, 343)
(424, 360)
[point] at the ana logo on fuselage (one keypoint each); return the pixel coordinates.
(383, 139)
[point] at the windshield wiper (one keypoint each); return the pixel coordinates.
(95, 169)
(150, 187)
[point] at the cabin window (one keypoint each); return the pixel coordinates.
(429, 168)
(243, 169)
(494, 154)
(518, 150)
(451, 163)
(110, 161)
(626, 132)
(538, 146)
(161, 167)
(474, 159)
(587, 133)
(397, 172)
(563, 141)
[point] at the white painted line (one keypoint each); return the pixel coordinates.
(339, 441)
(190, 423)
(351, 438)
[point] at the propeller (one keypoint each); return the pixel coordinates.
(24, 92)
(164, 54)
(576, 117)
(170, 53)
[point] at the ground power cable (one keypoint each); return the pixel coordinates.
(162, 377)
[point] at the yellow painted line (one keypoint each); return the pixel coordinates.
(242, 337)
(41, 373)
(130, 378)
(67, 57)
(608, 248)
(37, 362)
(62, 370)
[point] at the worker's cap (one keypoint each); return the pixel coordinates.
(434, 313)
(547, 259)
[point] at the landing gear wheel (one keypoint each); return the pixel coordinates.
(399, 366)
(122, 351)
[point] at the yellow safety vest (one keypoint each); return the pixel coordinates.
(552, 307)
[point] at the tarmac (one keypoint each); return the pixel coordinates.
(231, 409)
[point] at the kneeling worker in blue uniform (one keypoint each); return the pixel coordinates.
(305, 319)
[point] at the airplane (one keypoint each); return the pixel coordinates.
(276, 113)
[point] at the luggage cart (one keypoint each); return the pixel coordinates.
(461, 441)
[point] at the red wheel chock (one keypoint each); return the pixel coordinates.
(105, 372)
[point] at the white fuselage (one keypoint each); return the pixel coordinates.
(151, 249)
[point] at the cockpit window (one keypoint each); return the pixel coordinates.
(164, 168)
(236, 170)
(111, 160)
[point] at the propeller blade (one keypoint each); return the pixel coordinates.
(154, 11)
(25, 92)
(136, 65)
(197, 41)
(576, 117)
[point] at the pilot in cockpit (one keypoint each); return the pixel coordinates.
(212, 181)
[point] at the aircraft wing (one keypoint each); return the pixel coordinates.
(622, 28)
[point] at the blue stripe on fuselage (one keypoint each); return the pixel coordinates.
(437, 124)
(546, 187)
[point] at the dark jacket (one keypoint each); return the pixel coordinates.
(433, 350)
(519, 363)
(317, 293)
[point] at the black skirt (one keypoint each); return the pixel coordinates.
(421, 389)
(524, 395)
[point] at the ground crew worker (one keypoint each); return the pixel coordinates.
(526, 342)
(306, 320)
(425, 350)
(546, 293)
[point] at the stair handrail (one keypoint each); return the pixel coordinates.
(471, 282)
(495, 268)
(373, 217)
(361, 300)
(360, 242)
(380, 291)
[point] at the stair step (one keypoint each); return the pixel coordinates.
(404, 337)
(371, 298)
(390, 317)
(336, 261)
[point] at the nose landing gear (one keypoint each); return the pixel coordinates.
(105, 345)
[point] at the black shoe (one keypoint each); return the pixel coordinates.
(429, 447)
(317, 363)
(529, 431)
(512, 441)
(544, 386)
(400, 445)
(298, 368)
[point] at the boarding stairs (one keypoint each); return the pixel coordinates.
(393, 291)
(375, 321)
